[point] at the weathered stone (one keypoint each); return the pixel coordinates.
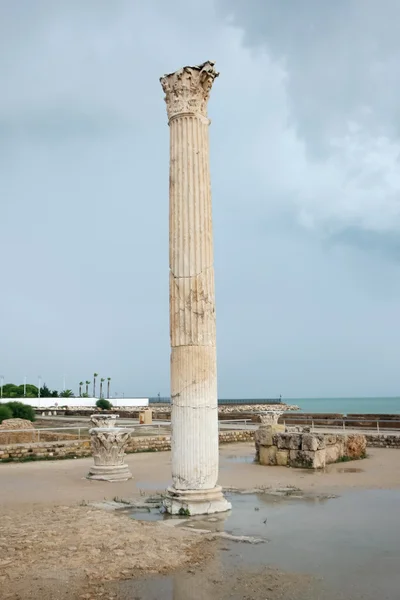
(355, 446)
(333, 453)
(264, 435)
(307, 459)
(270, 417)
(192, 297)
(295, 441)
(331, 439)
(108, 448)
(309, 442)
(268, 455)
(283, 440)
(99, 420)
(282, 458)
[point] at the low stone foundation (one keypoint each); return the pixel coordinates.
(383, 441)
(81, 448)
(306, 450)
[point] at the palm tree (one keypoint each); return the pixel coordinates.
(108, 386)
(80, 388)
(101, 386)
(94, 384)
(87, 388)
(67, 394)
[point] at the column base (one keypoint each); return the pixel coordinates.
(110, 473)
(195, 502)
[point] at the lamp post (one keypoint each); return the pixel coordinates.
(40, 385)
(25, 387)
(1, 386)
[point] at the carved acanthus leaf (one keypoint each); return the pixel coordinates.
(188, 89)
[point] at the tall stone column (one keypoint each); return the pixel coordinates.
(192, 305)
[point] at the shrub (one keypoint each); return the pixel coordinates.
(103, 404)
(20, 410)
(5, 412)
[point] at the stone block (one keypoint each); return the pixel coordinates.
(283, 441)
(309, 442)
(263, 435)
(333, 453)
(330, 439)
(268, 455)
(355, 446)
(306, 459)
(282, 458)
(295, 441)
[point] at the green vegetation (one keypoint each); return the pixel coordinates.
(184, 512)
(344, 459)
(103, 404)
(5, 412)
(19, 410)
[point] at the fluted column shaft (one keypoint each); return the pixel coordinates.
(192, 308)
(192, 302)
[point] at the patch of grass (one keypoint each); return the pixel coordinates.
(184, 512)
(344, 459)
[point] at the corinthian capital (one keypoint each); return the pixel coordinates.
(187, 90)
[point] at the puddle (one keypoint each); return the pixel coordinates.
(351, 542)
(240, 459)
(349, 470)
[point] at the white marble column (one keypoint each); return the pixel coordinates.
(192, 304)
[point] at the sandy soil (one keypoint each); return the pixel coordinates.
(64, 482)
(53, 547)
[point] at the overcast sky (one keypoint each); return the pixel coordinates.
(305, 142)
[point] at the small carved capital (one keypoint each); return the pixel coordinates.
(108, 445)
(270, 417)
(99, 420)
(188, 89)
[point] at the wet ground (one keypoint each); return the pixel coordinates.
(346, 547)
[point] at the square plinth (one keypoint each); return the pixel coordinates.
(196, 502)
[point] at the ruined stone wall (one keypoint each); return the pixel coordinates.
(81, 448)
(383, 441)
(306, 450)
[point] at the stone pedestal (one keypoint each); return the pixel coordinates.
(146, 417)
(192, 304)
(108, 448)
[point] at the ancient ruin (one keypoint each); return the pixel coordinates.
(192, 304)
(108, 448)
(99, 420)
(305, 449)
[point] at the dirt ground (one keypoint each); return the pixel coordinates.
(71, 552)
(64, 482)
(53, 546)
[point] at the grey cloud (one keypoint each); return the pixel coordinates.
(84, 199)
(341, 59)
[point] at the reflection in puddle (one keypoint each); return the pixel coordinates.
(241, 459)
(343, 540)
(349, 470)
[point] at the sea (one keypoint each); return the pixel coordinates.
(347, 405)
